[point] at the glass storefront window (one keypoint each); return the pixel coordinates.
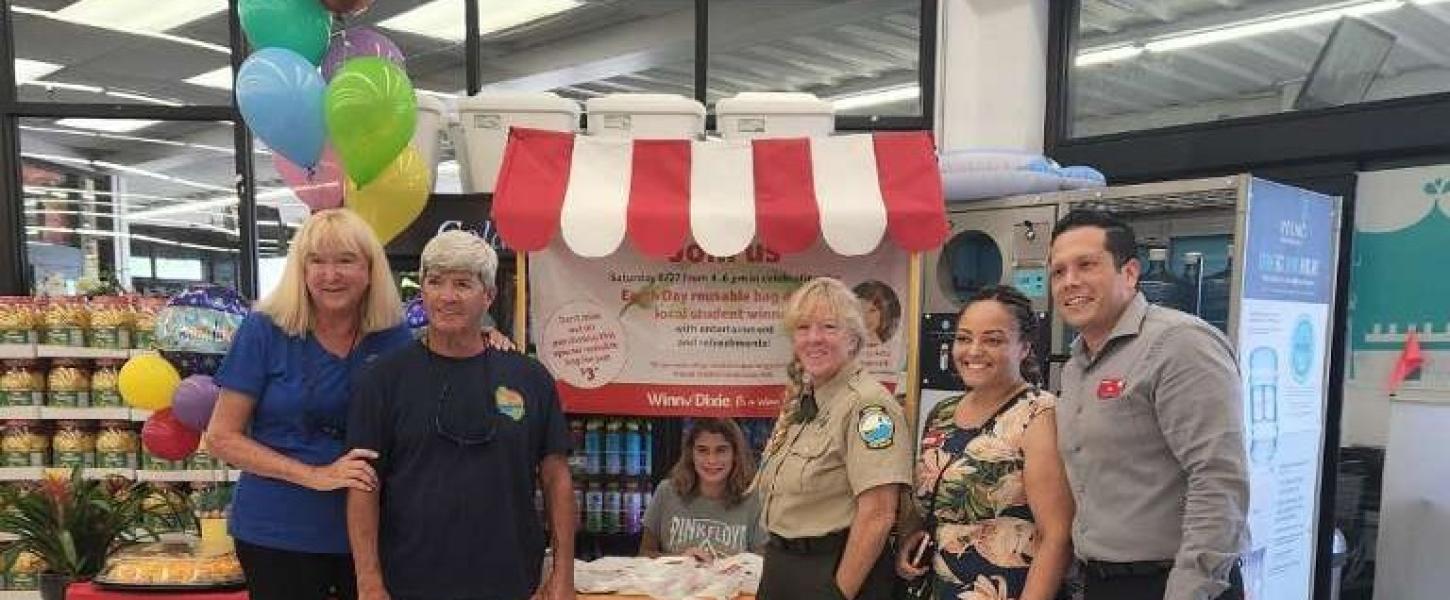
(1145, 65)
(152, 210)
(862, 56)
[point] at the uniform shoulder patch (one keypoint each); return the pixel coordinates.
(509, 402)
(877, 429)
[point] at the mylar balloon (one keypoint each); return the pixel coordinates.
(168, 438)
(194, 400)
(320, 187)
(414, 314)
(193, 363)
(201, 319)
(301, 26)
(358, 42)
(147, 381)
(395, 199)
(370, 111)
(347, 7)
(281, 97)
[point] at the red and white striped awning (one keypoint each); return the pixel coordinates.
(848, 189)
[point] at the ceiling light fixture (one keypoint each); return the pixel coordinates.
(29, 229)
(27, 70)
(182, 208)
(107, 125)
(875, 97)
(93, 89)
(1239, 29)
(443, 19)
(35, 12)
(75, 87)
(140, 15)
(101, 164)
(219, 79)
(1107, 55)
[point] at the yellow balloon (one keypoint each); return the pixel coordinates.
(147, 381)
(391, 202)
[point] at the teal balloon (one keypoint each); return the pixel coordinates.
(370, 111)
(302, 26)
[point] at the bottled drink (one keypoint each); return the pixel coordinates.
(593, 508)
(633, 508)
(593, 447)
(613, 447)
(613, 508)
(1192, 282)
(578, 458)
(1157, 284)
(633, 448)
(647, 447)
(578, 506)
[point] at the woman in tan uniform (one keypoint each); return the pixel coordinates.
(836, 462)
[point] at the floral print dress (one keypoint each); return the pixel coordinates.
(984, 528)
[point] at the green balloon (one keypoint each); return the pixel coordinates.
(371, 111)
(302, 26)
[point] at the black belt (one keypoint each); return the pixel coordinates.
(1110, 570)
(826, 544)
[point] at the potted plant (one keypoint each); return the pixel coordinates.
(74, 524)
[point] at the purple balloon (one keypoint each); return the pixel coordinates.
(358, 42)
(194, 400)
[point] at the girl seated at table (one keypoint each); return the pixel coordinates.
(704, 509)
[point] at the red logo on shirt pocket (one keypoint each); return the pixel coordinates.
(1109, 389)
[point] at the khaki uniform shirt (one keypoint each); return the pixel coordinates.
(859, 440)
(1150, 429)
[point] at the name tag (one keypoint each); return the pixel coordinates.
(1109, 389)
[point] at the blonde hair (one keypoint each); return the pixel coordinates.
(457, 250)
(335, 229)
(822, 295)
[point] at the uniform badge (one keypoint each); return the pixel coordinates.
(1109, 389)
(510, 403)
(876, 428)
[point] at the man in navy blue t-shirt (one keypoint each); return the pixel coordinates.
(462, 434)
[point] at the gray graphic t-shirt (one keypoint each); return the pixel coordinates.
(704, 523)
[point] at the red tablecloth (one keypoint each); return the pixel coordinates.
(88, 591)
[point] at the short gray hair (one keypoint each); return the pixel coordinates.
(457, 250)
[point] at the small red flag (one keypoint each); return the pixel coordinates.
(1410, 361)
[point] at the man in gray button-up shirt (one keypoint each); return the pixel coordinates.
(1150, 428)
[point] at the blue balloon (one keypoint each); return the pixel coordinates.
(281, 95)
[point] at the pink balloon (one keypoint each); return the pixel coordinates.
(358, 42)
(321, 186)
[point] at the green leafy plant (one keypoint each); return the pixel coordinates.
(74, 524)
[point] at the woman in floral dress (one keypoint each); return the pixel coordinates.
(989, 481)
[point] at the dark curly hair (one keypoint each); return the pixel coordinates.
(1020, 306)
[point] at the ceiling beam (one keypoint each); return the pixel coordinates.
(1203, 21)
(660, 41)
(1259, 80)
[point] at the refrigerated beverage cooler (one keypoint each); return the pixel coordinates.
(1255, 259)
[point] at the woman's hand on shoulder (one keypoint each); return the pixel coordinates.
(351, 471)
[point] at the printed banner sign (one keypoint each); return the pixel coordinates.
(693, 334)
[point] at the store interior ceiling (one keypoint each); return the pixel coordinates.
(1140, 63)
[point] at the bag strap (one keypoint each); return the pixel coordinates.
(930, 520)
